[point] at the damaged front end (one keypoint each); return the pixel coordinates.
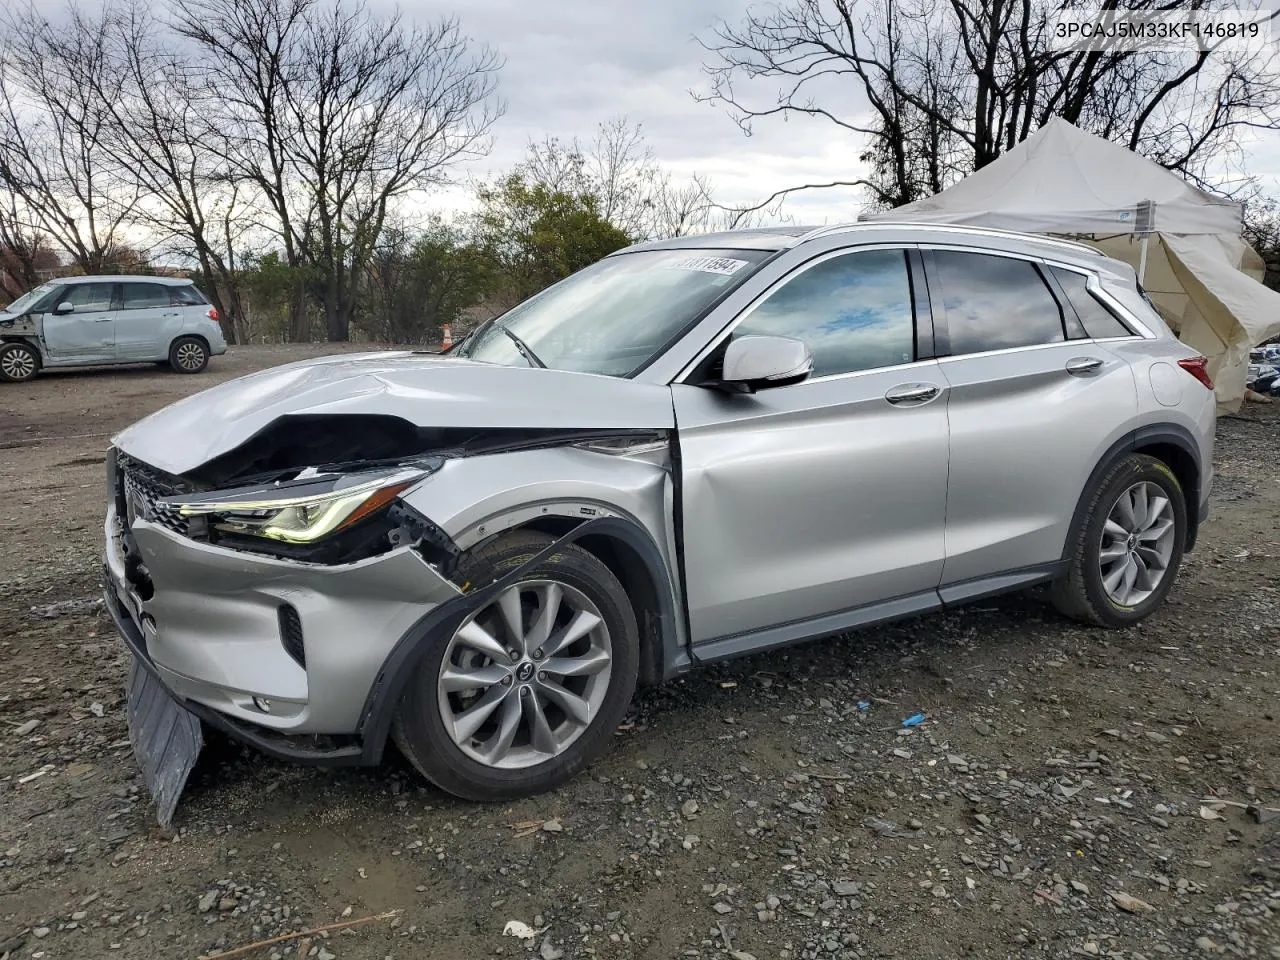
(280, 590)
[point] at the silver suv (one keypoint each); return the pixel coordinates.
(82, 321)
(689, 451)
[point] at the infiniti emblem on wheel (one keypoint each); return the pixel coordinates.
(524, 672)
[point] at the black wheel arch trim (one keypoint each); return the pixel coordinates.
(1170, 433)
(397, 669)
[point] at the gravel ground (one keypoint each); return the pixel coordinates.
(1072, 792)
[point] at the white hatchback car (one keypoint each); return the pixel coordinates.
(82, 321)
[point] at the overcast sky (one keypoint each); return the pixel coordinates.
(573, 63)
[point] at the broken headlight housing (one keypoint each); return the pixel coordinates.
(304, 510)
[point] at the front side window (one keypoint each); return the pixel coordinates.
(141, 296)
(87, 297)
(615, 316)
(995, 303)
(852, 310)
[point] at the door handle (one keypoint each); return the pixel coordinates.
(912, 393)
(104, 319)
(1083, 366)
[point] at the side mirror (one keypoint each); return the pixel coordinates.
(755, 362)
(66, 306)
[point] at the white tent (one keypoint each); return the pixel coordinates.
(1184, 243)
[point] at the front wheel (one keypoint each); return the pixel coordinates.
(18, 362)
(1125, 553)
(529, 689)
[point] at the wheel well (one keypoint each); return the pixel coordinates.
(1184, 467)
(190, 336)
(26, 342)
(636, 579)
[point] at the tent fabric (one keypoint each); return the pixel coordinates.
(1063, 180)
(1206, 290)
(1204, 278)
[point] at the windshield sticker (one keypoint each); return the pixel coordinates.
(725, 266)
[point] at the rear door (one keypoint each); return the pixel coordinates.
(147, 321)
(87, 333)
(1033, 404)
(826, 495)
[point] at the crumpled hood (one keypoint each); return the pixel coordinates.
(424, 389)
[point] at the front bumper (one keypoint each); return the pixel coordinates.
(211, 628)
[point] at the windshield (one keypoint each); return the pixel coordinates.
(615, 316)
(24, 302)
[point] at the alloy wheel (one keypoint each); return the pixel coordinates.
(190, 356)
(1137, 544)
(17, 364)
(523, 678)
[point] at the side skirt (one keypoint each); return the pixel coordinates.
(874, 614)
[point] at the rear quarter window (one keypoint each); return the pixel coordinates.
(186, 296)
(1098, 321)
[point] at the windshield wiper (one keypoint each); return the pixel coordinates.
(524, 349)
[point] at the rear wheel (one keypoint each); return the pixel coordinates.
(1125, 553)
(530, 687)
(188, 355)
(18, 362)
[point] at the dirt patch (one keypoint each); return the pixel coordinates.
(1059, 769)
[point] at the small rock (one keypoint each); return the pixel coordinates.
(1079, 887)
(549, 951)
(689, 809)
(25, 728)
(207, 901)
(721, 907)
(40, 932)
(553, 826)
(1131, 904)
(846, 888)
(226, 904)
(1207, 945)
(326, 955)
(97, 709)
(982, 727)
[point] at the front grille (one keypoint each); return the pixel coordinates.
(143, 486)
(291, 633)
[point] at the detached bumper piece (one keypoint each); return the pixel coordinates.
(167, 734)
(166, 738)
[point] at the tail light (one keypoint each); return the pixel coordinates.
(1198, 368)
(213, 314)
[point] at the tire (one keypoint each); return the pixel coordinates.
(19, 362)
(581, 584)
(1090, 590)
(188, 355)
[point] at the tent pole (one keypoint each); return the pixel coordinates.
(1142, 258)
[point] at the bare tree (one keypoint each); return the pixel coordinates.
(24, 252)
(52, 124)
(939, 88)
(332, 114)
(159, 135)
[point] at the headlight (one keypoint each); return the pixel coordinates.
(299, 511)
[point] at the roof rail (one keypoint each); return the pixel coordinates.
(949, 228)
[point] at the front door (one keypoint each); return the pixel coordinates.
(87, 332)
(826, 495)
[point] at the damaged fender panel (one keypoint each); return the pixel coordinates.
(166, 739)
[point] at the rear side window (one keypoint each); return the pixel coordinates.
(994, 303)
(138, 296)
(854, 312)
(186, 296)
(87, 297)
(1098, 321)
